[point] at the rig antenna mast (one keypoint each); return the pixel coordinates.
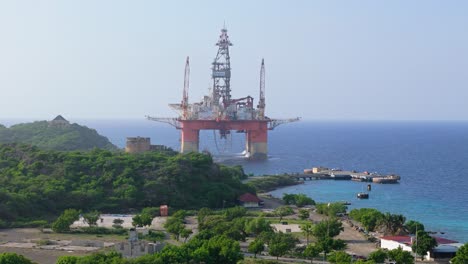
(261, 101)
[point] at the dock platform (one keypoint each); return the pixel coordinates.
(321, 173)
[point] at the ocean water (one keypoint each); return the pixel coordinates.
(431, 158)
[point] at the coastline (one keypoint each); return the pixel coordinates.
(356, 204)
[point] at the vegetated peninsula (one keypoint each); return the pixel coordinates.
(57, 134)
(39, 184)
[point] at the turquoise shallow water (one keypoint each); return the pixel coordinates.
(431, 157)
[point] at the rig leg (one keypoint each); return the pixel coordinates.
(190, 139)
(257, 143)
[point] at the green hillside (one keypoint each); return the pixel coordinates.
(37, 183)
(55, 136)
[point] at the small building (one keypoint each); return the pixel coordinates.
(250, 200)
(315, 170)
(137, 144)
(445, 249)
(141, 145)
(59, 121)
(163, 210)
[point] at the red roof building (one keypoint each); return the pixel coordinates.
(249, 200)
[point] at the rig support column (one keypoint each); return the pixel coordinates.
(189, 139)
(257, 142)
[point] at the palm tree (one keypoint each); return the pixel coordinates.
(307, 231)
(392, 223)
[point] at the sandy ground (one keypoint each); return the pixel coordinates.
(294, 228)
(41, 256)
(22, 241)
(21, 236)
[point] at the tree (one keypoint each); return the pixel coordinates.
(423, 244)
(117, 223)
(339, 257)
(331, 209)
(155, 236)
(289, 198)
(63, 222)
(283, 211)
(218, 249)
(327, 228)
(307, 231)
(203, 213)
(400, 256)
(67, 260)
(413, 226)
(142, 220)
(13, 258)
(304, 214)
(280, 243)
(175, 224)
(302, 200)
(185, 233)
(327, 244)
(152, 211)
(256, 247)
(369, 220)
(461, 256)
(378, 256)
(297, 199)
(91, 218)
(235, 212)
(99, 258)
(258, 225)
(312, 251)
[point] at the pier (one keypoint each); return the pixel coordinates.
(321, 173)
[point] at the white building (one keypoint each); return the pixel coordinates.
(445, 249)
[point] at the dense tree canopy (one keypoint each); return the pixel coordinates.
(268, 183)
(39, 183)
(297, 199)
(331, 209)
(280, 243)
(378, 256)
(368, 217)
(13, 258)
(63, 222)
(414, 226)
(462, 255)
(339, 257)
(400, 256)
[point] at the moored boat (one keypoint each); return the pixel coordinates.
(363, 195)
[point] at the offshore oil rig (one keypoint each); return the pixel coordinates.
(219, 111)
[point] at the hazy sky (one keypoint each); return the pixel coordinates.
(378, 60)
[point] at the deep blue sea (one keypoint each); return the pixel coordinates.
(431, 158)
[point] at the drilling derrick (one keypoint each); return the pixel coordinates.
(221, 72)
(219, 111)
